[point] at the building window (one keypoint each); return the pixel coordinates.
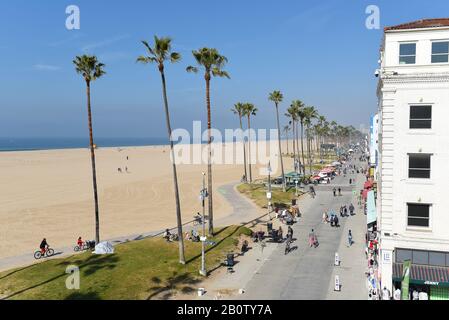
(420, 257)
(407, 53)
(419, 165)
(420, 117)
(433, 258)
(440, 52)
(418, 215)
(437, 259)
(403, 255)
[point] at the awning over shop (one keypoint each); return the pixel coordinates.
(421, 274)
(371, 212)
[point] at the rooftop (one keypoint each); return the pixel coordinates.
(419, 24)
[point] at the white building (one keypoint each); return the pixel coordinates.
(413, 186)
(374, 144)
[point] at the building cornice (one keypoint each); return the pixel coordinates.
(429, 77)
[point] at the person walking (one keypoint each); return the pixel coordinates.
(345, 211)
(280, 233)
(351, 209)
(386, 294)
(339, 191)
(336, 221)
(349, 238)
(312, 238)
(350, 181)
(335, 191)
(290, 232)
(341, 211)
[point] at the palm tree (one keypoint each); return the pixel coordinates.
(291, 113)
(159, 54)
(276, 97)
(286, 130)
(91, 69)
(310, 113)
(239, 109)
(299, 107)
(320, 132)
(250, 110)
(213, 63)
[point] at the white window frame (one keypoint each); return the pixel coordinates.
(410, 105)
(439, 54)
(419, 228)
(407, 55)
(408, 167)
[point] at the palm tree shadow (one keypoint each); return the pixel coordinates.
(92, 264)
(182, 282)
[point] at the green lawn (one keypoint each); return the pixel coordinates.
(258, 193)
(142, 269)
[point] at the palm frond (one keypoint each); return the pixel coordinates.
(192, 69)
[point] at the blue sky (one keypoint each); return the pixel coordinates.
(316, 51)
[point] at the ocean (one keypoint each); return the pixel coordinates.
(29, 144)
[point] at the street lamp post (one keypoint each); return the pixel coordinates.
(269, 189)
(203, 196)
(296, 183)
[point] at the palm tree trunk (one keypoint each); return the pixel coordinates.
(302, 148)
(249, 150)
(94, 171)
(209, 158)
(280, 149)
(286, 135)
(182, 259)
(297, 147)
(244, 149)
(309, 148)
(294, 141)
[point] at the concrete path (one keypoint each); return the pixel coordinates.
(307, 273)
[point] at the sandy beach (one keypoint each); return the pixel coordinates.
(49, 194)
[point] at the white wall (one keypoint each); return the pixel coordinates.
(423, 83)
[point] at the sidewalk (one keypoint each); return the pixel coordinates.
(353, 262)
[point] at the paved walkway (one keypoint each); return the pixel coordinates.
(353, 262)
(305, 273)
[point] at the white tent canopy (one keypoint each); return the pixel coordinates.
(104, 247)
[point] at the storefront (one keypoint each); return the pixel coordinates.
(430, 281)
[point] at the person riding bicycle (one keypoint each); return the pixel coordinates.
(80, 243)
(43, 246)
(167, 235)
(312, 191)
(197, 218)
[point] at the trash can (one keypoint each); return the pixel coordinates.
(293, 202)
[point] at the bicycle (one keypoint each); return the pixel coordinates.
(197, 220)
(47, 253)
(84, 247)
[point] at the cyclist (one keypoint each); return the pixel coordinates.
(80, 243)
(43, 246)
